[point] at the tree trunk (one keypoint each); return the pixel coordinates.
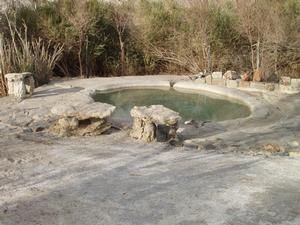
(258, 55)
(276, 60)
(122, 53)
(79, 58)
(3, 87)
(123, 59)
(209, 59)
(87, 61)
(252, 55)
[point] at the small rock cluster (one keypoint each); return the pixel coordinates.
(232, 79)
(154, 123)
(81, 116)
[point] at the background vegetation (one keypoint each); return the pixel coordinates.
(102, 38)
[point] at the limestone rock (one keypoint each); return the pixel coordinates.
(200, 80)
(157, 114)
(154, 122)
(244, 84)
(217, 75)
(85, 111)
(294, 154)
(284, 80)
(295, 85)
(208, 79)
(231, 75)
(272, 148)
(82, 118)
(20, 84)
(258, 86)
(143, 130)
(65, 126)
(232, 83)
(219, 82)
(19, 89)
(271, 87)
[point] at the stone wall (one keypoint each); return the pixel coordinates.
(286, 85)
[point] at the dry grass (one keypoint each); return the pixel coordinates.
(18, 54)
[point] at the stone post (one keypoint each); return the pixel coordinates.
(155, 122)
(20, 84)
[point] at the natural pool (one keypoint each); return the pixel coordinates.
(196, 106)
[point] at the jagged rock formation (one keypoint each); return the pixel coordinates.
(83, 118)
(154, 123)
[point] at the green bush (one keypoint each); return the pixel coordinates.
(162, 36)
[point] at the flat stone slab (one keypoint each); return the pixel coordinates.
(81, 116)
(157, 114)
(91, 110)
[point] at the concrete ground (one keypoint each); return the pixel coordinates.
(112, 179)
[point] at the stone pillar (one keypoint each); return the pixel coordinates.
(20, 84)
(154, 123)
(19, 88)
(10, 83)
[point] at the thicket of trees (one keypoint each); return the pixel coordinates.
(103, 38)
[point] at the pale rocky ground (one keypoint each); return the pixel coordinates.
(113, 179)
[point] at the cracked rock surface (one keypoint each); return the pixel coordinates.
(222, 179)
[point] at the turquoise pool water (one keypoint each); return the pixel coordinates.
(198, 107)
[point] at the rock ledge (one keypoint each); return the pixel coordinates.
(154, 122)
(83, 117)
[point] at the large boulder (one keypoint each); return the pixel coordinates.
(155, 122)
(83, 118)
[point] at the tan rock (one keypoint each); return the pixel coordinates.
(231, 75)
(154, 122)
(219, 82)
(208, 79)
(157, 114)
(232, 83)
(82, 118)
(20, 84)
(244, 84)
(294, 154)
(246, 77)
(285, 80)
(258, 76)
(217, 75)
(272, 148)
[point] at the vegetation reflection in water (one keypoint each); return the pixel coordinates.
(198, 107)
